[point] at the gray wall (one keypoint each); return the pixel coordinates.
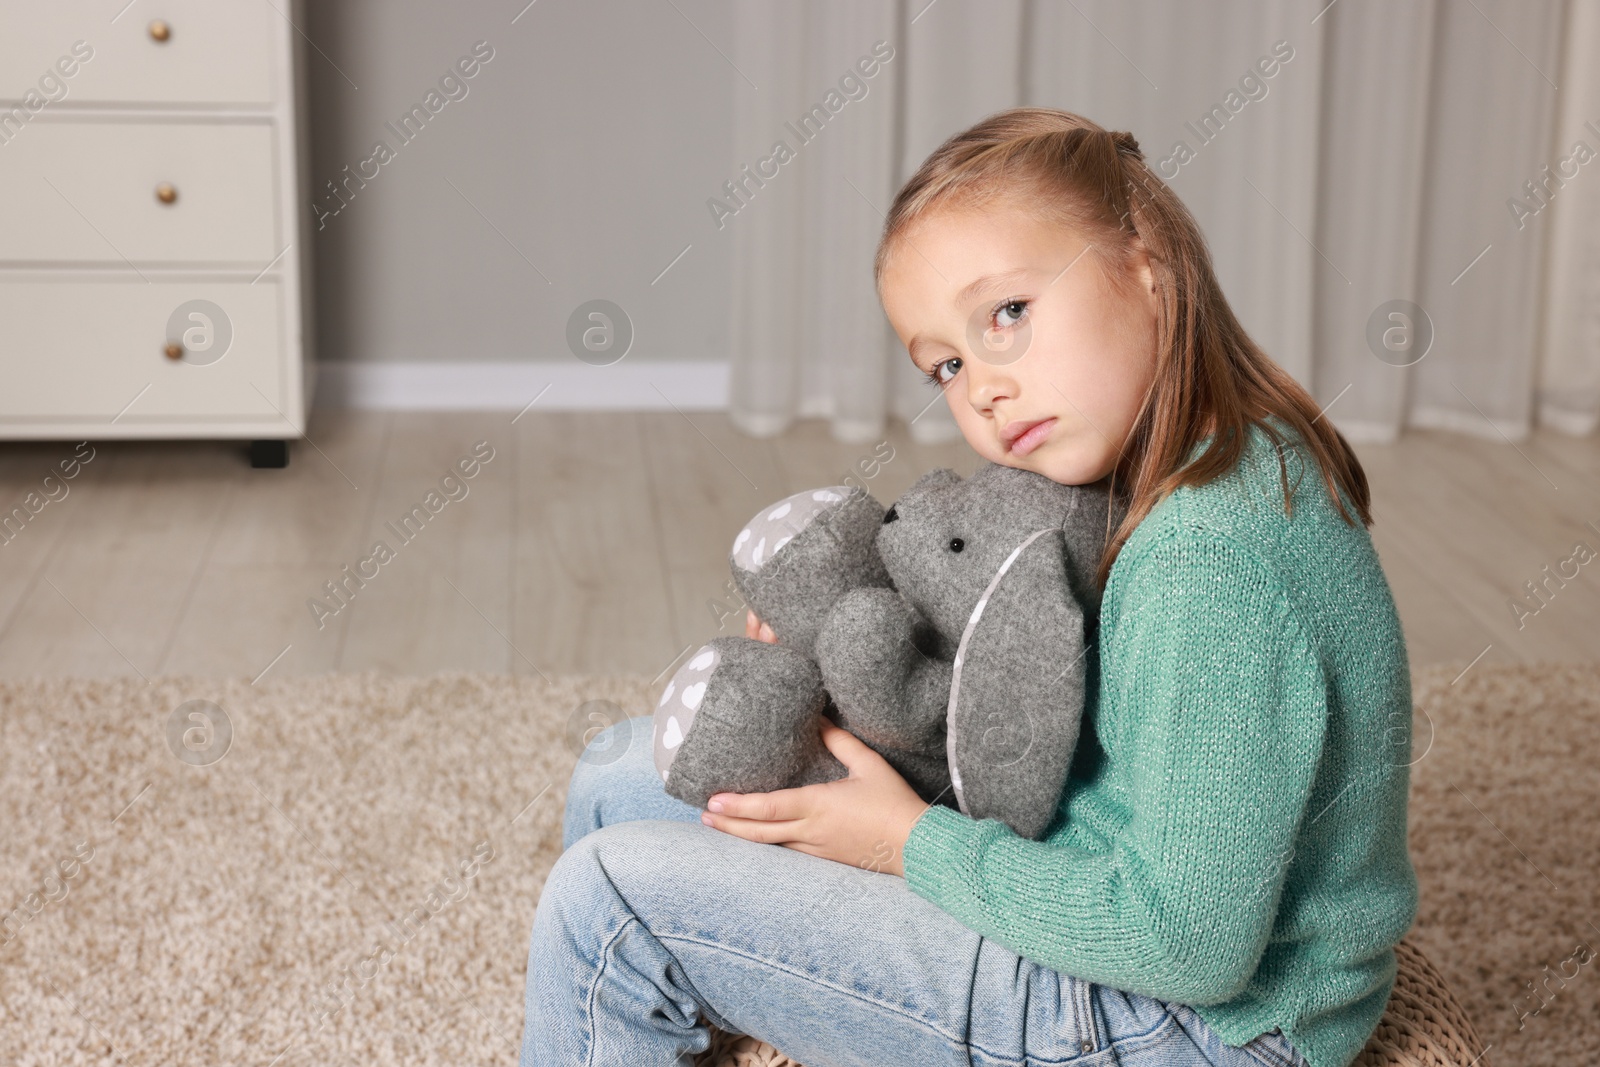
(590, 141)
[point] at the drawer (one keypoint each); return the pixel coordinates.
(83, 350)
(87, 192)
(215, 52)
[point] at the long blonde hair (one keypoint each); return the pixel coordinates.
(1208, 370)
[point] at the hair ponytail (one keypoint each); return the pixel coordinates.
(1208, 370)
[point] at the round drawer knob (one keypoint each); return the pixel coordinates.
(174, 351)
(167, 193)
(159, 30)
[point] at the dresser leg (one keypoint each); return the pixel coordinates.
(269, 454)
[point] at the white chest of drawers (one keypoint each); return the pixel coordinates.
(154, 256)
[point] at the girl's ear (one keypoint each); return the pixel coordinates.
(1143, 285)
(1142, 269)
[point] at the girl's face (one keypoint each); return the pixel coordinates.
(1044, 362)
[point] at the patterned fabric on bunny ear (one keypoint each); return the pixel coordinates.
(679, 703)
(773, 528)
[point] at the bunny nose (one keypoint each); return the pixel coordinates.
(890, 515)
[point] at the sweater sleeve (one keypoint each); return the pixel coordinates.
(1217, 703)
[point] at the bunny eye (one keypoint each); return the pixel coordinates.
(956, 544)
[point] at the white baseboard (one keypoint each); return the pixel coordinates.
(564, 385)
(702, 385)
(1568, 420)
(1470, 423)
(1360, 432)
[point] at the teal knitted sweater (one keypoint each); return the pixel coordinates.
(1233, 832)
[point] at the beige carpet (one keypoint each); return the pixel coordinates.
(236, 911)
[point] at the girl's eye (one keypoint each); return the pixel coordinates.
(1012, 307)
(933, 374)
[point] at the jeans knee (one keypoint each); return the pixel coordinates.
(586, 871)
(577, 878)
(558, 928)
(616, 747)
(591, 761)
(571, 871)
(609, 756)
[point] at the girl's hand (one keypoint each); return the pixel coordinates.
(862, 820)
(757, 630)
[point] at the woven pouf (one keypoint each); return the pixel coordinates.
(1423, 1026)
(741, 1050)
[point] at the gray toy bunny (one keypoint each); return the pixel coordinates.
(947, 633)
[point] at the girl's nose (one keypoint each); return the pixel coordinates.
(988, 384)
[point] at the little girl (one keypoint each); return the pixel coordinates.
(1226, 876)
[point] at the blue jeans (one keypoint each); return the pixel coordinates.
(652, 923)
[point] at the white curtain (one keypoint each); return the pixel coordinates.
(1399, 154)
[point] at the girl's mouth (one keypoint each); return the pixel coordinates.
(1032, 437)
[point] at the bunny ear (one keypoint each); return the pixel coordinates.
(1017, 690)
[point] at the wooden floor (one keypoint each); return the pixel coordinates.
(598, 543)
